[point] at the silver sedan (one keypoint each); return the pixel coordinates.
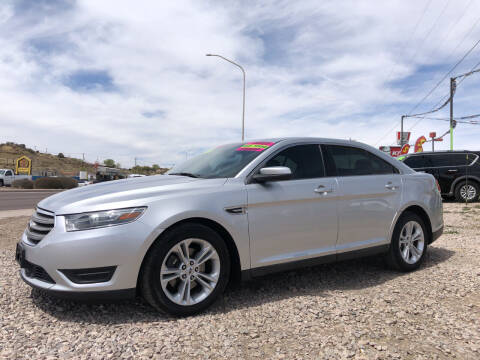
(237, 211)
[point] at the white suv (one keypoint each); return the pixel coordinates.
(243, 209)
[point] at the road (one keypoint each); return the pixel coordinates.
(15, 200)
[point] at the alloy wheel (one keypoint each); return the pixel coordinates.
(468, 192)
(190, 271)
(412, 242)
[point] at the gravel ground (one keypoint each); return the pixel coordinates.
(354, 309)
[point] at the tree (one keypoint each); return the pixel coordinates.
(118, 165)
(109, 162)
(60, 155)
(155, 167)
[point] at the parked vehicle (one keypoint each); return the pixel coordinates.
(7, 177)
(457, 172)
(84, 182)
(239, 210)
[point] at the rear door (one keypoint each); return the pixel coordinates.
(451, 167)
(294, 219)
(369, 196)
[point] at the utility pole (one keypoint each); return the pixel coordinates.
(401, 131)
(452, 90)
(83, 156)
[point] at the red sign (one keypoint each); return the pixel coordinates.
(433, 134)
(405, 149)
(392, 150)
(406, 137)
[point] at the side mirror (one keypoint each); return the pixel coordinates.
(272, 173)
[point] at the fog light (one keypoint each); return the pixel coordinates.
(89, 276)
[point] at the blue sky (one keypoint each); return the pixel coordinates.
(116, 80)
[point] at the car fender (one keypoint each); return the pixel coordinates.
(456, 181)
(202, 207)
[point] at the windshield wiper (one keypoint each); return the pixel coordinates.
(185, 174)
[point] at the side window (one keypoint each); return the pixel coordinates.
(415, 162)
(460, 159)
(351, 161)
(8, 173)
(305, 161)
(440, 160)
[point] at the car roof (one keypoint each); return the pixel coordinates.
(303, 139)
(445, 152)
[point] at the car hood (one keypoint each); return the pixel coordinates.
(122, 193)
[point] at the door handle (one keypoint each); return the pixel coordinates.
(321, 189)
(451, 171)
(390, 186)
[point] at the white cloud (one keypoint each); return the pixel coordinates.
(313, 69)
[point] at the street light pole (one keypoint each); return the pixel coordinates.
(243, 72)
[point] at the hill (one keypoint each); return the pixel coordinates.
(42, 162)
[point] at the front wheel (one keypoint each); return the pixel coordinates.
(186, 270)
(409, 243)
(467, 192)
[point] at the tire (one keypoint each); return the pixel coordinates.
(1, 183)
(167, 276)
(467, 187)
(396, 258)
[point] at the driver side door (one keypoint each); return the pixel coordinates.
(296, 219)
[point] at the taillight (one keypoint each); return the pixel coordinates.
(438, 186)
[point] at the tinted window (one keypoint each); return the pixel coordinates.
(8, 173)
(350, 161)
(305, 161)
(415, 162)
(441, 160)
(460, 159)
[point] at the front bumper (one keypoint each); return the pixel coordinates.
(122, 247)
(109, 295)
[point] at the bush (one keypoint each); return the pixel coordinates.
(55, 183)
(61, 156)
(23, 184)
(68, 182)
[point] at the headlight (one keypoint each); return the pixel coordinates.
(98, 219)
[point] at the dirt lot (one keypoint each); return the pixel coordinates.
(354, 309)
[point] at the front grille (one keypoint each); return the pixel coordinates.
(40, 224)
(37, 272)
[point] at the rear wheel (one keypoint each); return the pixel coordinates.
(186, 270)
(409, 243)
(1, 183)
(467, 191)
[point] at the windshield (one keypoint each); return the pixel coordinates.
(222, 162)
(2, 172)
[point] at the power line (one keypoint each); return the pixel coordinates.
(458, 84)
(444, 77)
(451, 27)
(429, 31)
(462, 120)
(403, 49)
(448, 73)
(474, 70)
(394, 67)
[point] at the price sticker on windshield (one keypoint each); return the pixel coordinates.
(255, 146)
